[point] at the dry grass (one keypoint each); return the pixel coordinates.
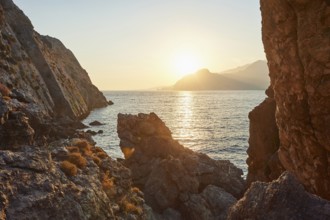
(102, 155)
(129, 207)
(108, 184)
(96, 160)
(68, 168)
(84, 147)
(97, 149)
(77, 159)
(72, 149)
(127, 151)
(4, 90)
(135, 190)
(7, 98)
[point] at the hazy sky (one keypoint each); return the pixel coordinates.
(141, 44)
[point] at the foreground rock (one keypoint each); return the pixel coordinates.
(284, 198)
(44, 172)
(66, 180)
(297, 44)
(173, 177)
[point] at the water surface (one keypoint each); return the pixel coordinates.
(212, 122)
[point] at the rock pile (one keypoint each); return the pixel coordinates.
(173, 178)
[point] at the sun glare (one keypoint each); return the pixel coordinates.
(186, 63)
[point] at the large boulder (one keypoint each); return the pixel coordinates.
(172, 176)
(284, 198)
(296, 39)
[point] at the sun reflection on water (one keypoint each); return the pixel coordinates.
(184, 109)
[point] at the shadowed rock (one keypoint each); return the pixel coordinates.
(172, 176)
(296, 39)
(263, 162)
(284, 198)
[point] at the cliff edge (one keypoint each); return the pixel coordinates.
(297, 44)
(40, 71)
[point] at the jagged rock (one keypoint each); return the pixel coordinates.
(297, 44)
(40, 70)
(43, 93)
(95, 123)
(212, 203)
(33, 186)
(170, 174)
(110, 102)
(263, 162)
(284, 198)
(16, 130)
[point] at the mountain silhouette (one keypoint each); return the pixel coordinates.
(252, 76)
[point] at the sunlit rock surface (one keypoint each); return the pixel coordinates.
(174, 177)
(33, 185)
(297, 44)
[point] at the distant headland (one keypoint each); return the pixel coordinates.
(253, 76)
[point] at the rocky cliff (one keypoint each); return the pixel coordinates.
(297, 45)
(45, 173)
(41, 72)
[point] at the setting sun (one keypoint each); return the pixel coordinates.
(185, 63)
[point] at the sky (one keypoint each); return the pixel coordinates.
(143, 44)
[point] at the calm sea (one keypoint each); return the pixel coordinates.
(212, 122)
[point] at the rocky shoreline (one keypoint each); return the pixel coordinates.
(50, 170)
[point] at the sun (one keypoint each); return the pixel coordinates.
(186, 63)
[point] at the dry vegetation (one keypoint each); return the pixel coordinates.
(129, 207)
(108, 184)
(4, 90)
(68, 168)
(127, 151)
(77, 156)
(77, 159)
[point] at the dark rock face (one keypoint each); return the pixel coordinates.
(263, 162)
(284, 198)
(297, 44)
(40, 71)
(175, 177)
(95, 123)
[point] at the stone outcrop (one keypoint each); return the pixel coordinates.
(45, 173)
(40, 71)
(263, 162)
(296, 39)
(284, 198)
(174, 177)
(35, 184)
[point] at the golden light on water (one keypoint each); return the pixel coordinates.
(185, 110)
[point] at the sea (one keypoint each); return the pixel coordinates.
(212, 122)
